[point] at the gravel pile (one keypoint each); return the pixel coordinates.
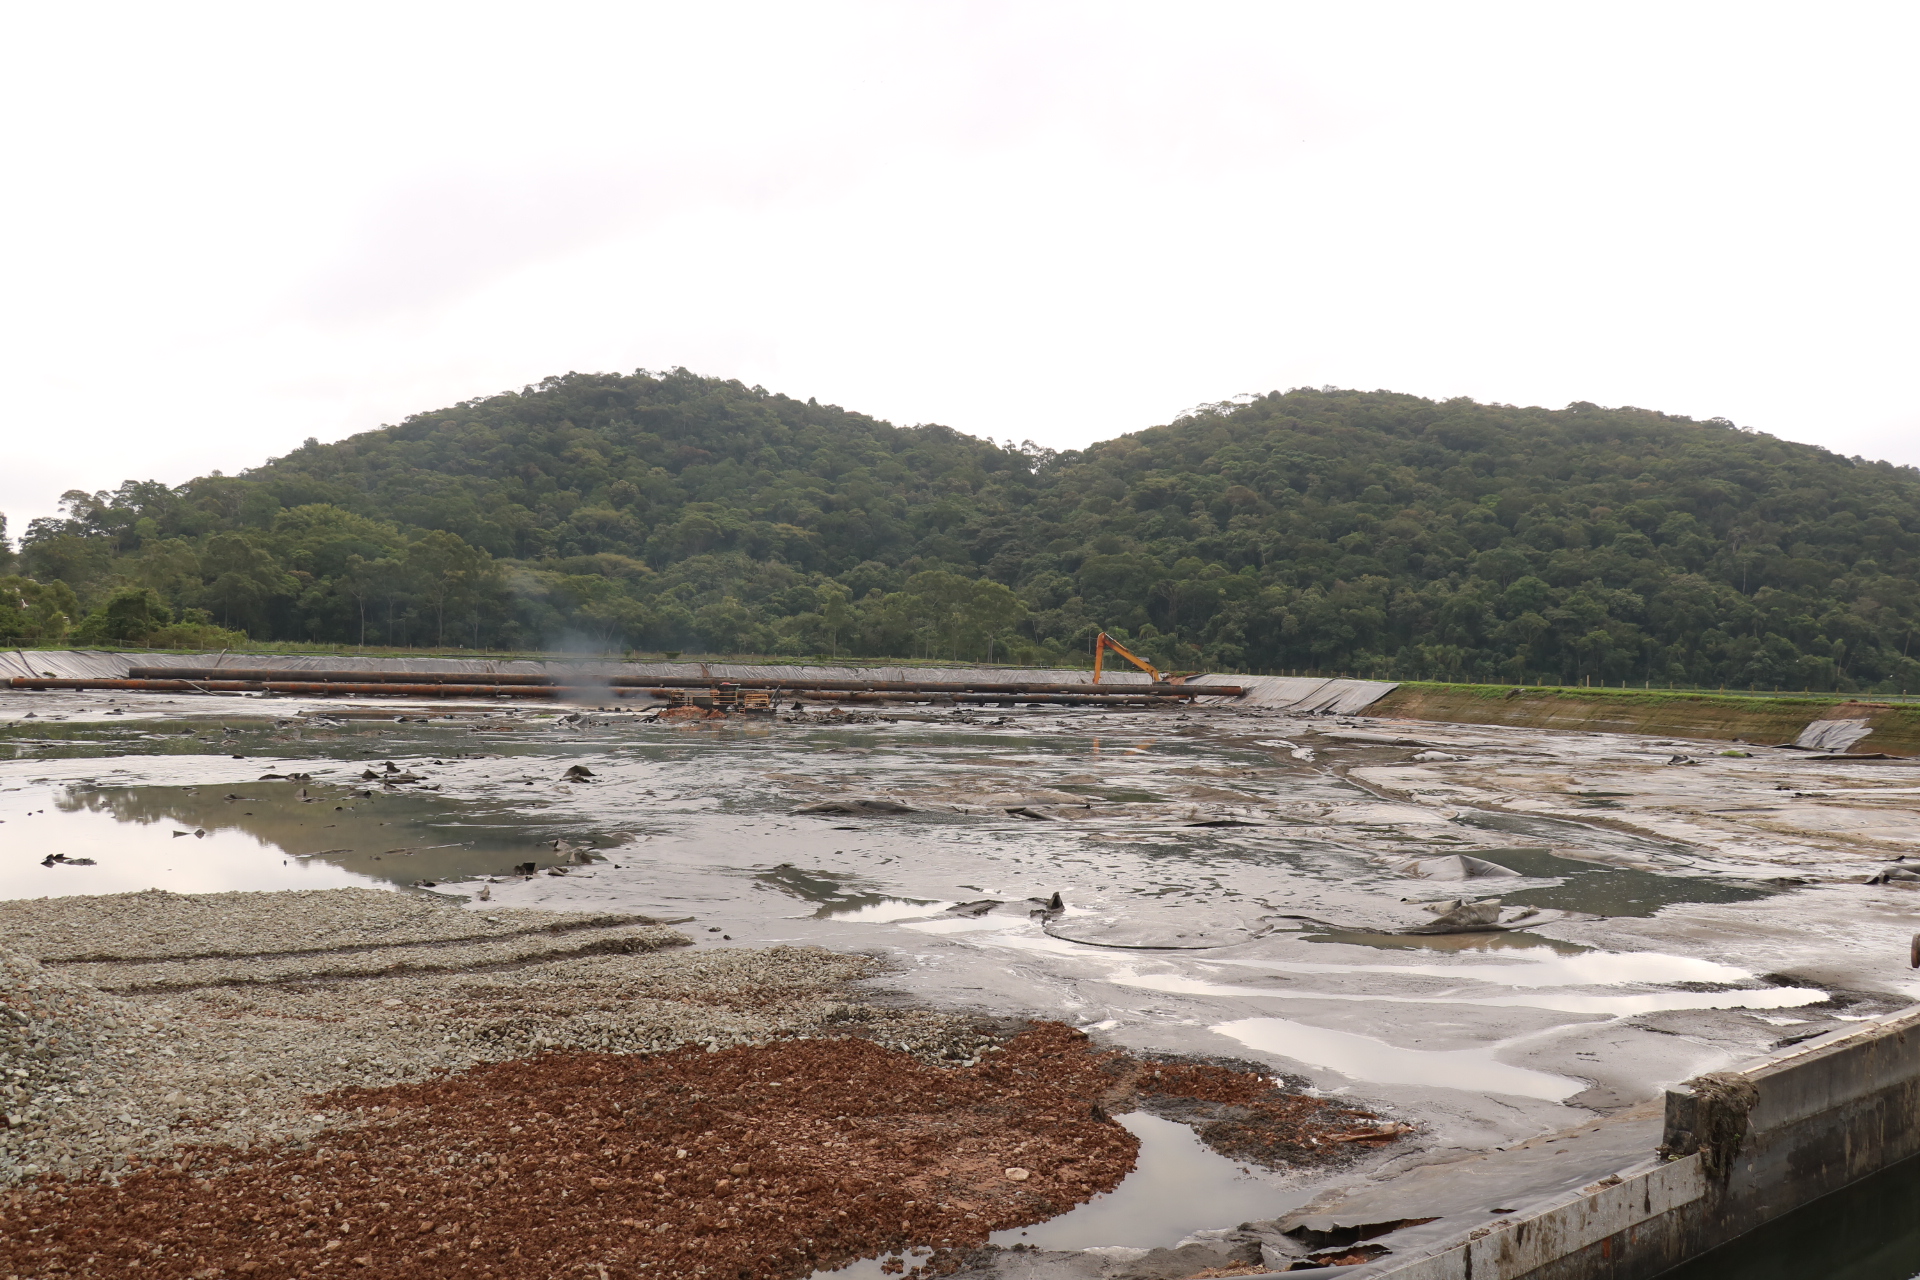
(111, 1079)
(447, 1093)
(53, 1030)
(766, 1162)
(156, 924)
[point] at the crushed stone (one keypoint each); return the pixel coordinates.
(94, 1080)
(771, 1160)
(155, 924)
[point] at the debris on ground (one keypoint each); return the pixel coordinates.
(861, 807)
(768, 1160)
(1456, 916)
(226, 1011)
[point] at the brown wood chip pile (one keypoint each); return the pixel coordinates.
(763, 1161)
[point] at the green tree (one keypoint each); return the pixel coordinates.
(129, 614)
(1326, 529)
(36, 613)
(448, 574)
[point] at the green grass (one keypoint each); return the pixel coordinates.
(1647, 697)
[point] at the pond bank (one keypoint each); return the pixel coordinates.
(1895, 727)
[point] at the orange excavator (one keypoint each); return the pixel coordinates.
(1106, 642)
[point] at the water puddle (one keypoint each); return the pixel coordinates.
(257, 835)
(1513, 940)
(1607, 1006)
(966, 924)
(885, 911)
(839, 900)
(1179, 1186)
(1364, 1058)
(1585, 967)
(884, 1267)
(1598, 888)
(1602, 890)
(1113, 795)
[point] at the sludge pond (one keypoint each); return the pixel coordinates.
(1228, 886)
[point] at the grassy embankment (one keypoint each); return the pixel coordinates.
(1896, 726)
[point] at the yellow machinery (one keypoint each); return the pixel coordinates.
(1106, 642)
(724, 696)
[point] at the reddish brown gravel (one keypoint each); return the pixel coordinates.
(753, 1163)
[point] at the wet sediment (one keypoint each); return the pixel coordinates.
(659, 1111)
(1233, 883)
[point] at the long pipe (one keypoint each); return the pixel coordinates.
(1131, 697)
(289, 686)
(931, 686)
(203, 674)
(278, 675)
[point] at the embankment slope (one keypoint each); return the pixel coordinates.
(1722, 717)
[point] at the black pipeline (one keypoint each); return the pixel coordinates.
(473, 684)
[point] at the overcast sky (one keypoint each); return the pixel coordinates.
(229, 227)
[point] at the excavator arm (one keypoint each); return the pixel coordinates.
(1106, 642)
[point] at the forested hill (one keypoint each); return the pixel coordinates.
(1333, 530)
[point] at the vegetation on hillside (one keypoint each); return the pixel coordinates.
(1362, 531)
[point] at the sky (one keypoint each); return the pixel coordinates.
(229, 227)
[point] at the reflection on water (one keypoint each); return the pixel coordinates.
(255, 835)
(840, 901)
(885, 911)
(1365, 1058)
(880, 1268)
(1603, 890)
(1868, 1231)
(1561, 1001)
(812, 886)
(1583, 967)
(1179, 1185)
(1514, 940)
(127, 859)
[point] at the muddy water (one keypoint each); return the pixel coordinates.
(1222, 895)
(1179, 1186)
(259, 835)
(1600, 889)
(235, 819)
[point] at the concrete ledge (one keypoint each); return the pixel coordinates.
(1741, 1149)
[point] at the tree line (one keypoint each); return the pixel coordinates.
(1369, 532)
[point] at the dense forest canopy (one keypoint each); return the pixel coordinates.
(1368, 532)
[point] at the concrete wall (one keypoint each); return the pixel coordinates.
(1741, 1149)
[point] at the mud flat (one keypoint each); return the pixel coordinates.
(1269, 881)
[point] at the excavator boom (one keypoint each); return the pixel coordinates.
(1106, 642)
